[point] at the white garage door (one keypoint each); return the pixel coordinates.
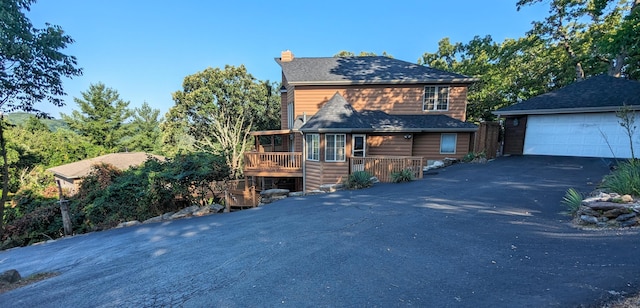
(586, 134)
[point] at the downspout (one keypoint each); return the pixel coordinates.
(304, 164)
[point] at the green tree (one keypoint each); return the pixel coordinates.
(144, 130)
(31, 70)
(102, 116)
(218, 108)
(345, 53)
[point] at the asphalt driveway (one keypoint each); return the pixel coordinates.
(488, 235)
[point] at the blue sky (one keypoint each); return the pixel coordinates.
(145, 48)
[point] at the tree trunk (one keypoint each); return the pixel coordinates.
(64, 209)
(5, 174)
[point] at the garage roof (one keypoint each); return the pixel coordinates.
(601, 93)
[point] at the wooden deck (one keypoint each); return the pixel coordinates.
(273, 164)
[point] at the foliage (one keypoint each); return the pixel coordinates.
(471, 156)
(102, 116)
(358, 180)
(144, 130)
(23, 119)
(344, 53)
(217, 108)
(31, 70)
(191, 176)
(625, 179)
(627, 119)
(405, 175)
(572, 201)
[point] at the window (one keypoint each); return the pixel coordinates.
(436, 98)
(313, 147)
(335, 147)
(448, 143)
(358, 145)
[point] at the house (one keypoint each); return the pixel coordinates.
(577, 120)
(346, 114)
(71, 175)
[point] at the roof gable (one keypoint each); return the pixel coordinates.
(363, 70)
(598, 93)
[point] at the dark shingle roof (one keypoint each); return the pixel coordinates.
(122, 161)
(363, 70)
(599, 93)
(337, 115)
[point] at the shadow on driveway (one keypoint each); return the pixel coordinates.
(473, 235)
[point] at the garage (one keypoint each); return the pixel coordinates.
(583, 134)
(577, 120)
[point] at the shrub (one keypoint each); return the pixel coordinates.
(358, 180)
(625, 180)
(405, 175)
(572, 200)
(471, 156)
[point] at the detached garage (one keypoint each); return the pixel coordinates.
(577, 120)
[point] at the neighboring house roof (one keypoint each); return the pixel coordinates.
(337, 115)
(363, 70)
(601, 93)
(121, 161)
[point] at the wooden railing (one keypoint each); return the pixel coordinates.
(274, 162)
(383, 166)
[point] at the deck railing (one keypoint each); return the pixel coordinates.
(383, 166)
(273, 161)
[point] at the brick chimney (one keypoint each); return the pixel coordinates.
(286, 56)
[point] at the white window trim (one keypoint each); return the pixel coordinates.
(455, 142)
(344, 147)
(310, 153)
(436, 93)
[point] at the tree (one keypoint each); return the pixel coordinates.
(345, 53)
(102, 117)
(144, 130)
(218, 108)
(31, 70)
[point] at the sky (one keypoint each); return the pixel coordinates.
(145, 48)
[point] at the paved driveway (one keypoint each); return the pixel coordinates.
(486, 235)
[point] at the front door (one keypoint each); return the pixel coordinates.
(358, 149)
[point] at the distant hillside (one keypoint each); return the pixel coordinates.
(18, 118)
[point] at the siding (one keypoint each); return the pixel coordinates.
(393, 145)
(313, 180)
(333, 172)
(428, 146)
(398, 99)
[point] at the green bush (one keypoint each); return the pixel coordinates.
(358, 180)
(471, 156)
(572, 201)
(405, 175)
(625, 180)
(31, 219)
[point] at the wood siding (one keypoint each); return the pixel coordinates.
(514, 135)
(388, 145)
(397, 99)
(313, 172)
(428, 146)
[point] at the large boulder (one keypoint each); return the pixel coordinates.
(10, 276)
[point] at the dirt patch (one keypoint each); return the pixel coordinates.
(26, 281)
(630, 302)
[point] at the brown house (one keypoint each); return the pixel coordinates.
(71, 175)
(346, 114)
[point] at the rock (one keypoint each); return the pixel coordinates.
(315, 192)
(329, 187)
(589, 219)
(186, 212)
(202, 211)
(626, 198)
(167, 216)
(604, 206)
(128, 224)
(374, 180)
(274, 192)
(626, 216)
(296, 194)
(216, 208)
(437, 164)
(447, 161)
(615, 212)
(10, 276)
(153, 219)
(628, 223)
(585, 210)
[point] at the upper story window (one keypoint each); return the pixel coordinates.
(436, 98)
(290, 115)
(313, 147)
(335, 147)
